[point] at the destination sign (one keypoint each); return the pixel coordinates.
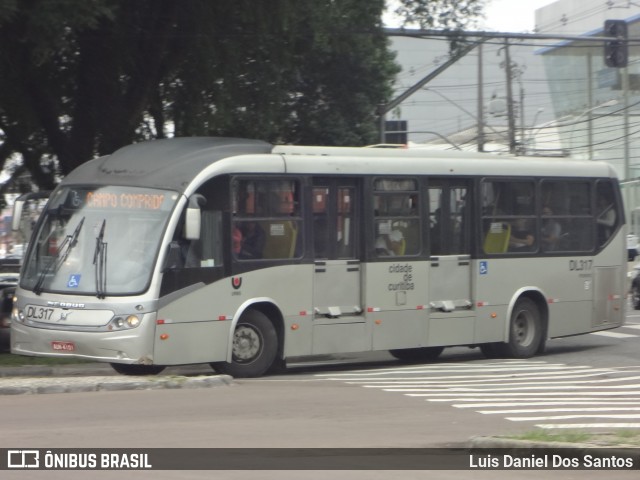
(117, 198)
(138, 201)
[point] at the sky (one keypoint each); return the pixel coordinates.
(511, 15)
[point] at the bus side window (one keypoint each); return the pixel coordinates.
(397, 217)
(508, 216)
(266, 219)
(566, 222)
(606, 212)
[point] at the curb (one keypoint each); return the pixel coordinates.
(26, 386)
(90, 377)
(93, 369)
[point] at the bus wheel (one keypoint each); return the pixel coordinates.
(135, 369)
(525, 330)
(417, 354)
(255, 344)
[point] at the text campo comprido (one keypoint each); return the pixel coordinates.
(138, 201)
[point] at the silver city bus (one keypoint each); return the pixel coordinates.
(242, 254)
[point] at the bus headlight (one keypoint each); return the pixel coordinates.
(131, 321)
(17, 315)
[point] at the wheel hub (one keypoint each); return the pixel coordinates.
(246, 344)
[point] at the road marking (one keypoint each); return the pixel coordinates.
(546, 394)
(558, 410)
(576, 426)
(529, 403)
(465, 385)
(571, 417)
(482, 379)
(610, 334)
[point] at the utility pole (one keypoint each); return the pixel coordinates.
(510, 115)
(480, 101)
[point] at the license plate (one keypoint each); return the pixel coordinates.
(63, 346)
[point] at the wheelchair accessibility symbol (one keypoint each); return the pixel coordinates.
(484, 268)
(74, 281)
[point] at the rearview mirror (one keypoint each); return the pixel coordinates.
(192, 218)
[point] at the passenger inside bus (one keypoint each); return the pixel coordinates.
(551, 230)
(253, 240)
(390, 245)
(522, 238)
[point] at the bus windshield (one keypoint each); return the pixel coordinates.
(97, 241)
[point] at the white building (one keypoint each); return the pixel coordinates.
(596, 106)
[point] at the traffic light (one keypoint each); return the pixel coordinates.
(616, 51)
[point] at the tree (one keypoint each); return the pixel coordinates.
(81, 78)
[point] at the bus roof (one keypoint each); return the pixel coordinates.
(174, 163)
(169, 163)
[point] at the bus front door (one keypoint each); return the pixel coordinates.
(451, 318)
(338, 325)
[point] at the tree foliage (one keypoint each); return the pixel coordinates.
(441, 14)
(81, 78)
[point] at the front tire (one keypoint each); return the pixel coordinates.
(525, 331)
(136, 369)
(255, 345)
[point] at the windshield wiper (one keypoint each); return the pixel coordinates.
(60, 257)
(100, 261)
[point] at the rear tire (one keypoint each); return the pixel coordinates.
(525, 331)
(136, 369)
(255, 345)
(417, 354)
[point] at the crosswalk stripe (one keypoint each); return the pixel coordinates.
(576, 426)
(558, 410)
(558, 394)
(611, 334)
(570, 417)
(528, 403)
(464, 386)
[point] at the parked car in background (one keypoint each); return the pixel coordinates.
(9, 273)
